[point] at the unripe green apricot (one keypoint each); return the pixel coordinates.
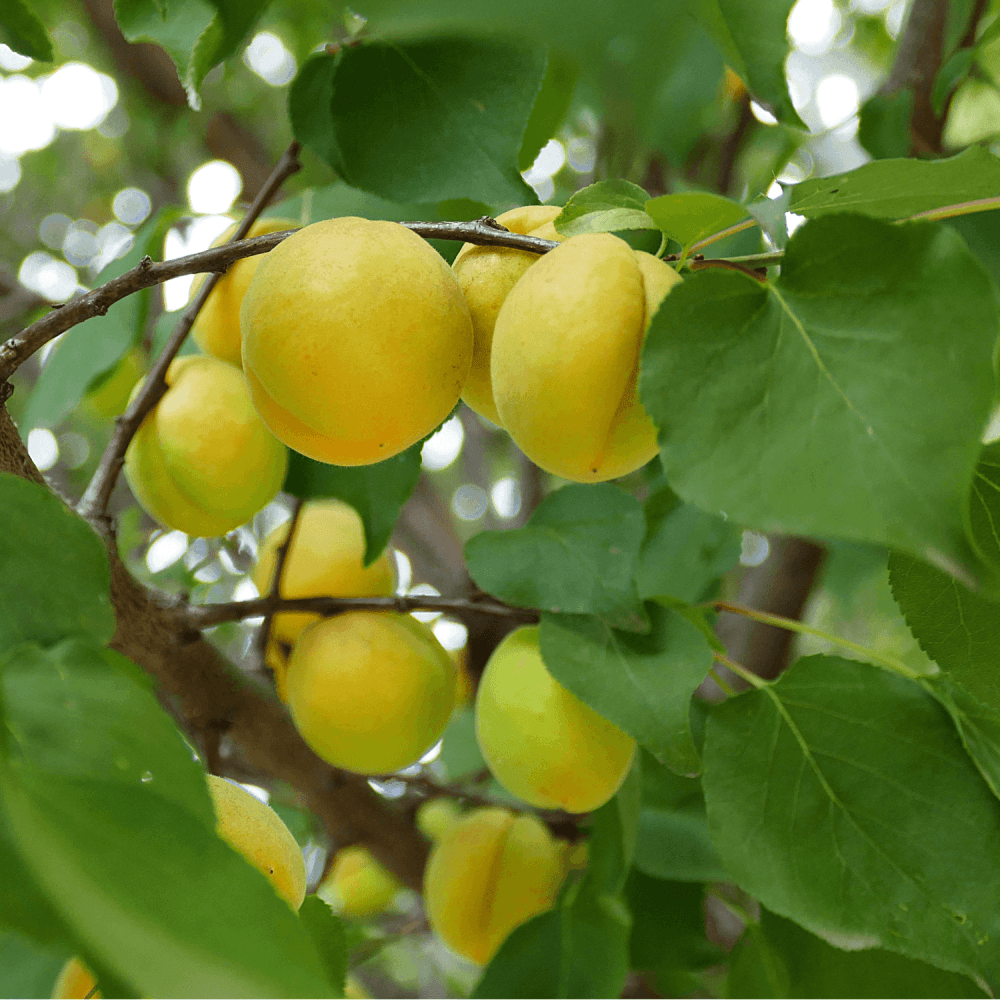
(565, 357)
(437, 816)
(486, 875)
(260, 835)
(539, 740)
(217, 326)
(370, 691)
(486, 275)
(202, 461)
(357, 885)
(356, 340)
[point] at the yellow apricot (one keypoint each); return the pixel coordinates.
(565, 357)
(357, 885)
(326, 559)
(217, 328)
(257, 832)
(489, 873)
(539, 740)
(356, 340)
(202, 461)
(74, 980)
(370, 691)
(486, 275)
(436, 817)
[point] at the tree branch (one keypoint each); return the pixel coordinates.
(202, 616)
(95, 499)
(281, 557)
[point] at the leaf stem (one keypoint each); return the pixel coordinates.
(721, 235)
(740, 671)
(727, 688)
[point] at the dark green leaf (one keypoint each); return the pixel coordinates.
(685, 549)
(79, 711)
(611, 846)
(899, 189)
(605, 207)
(668, 932)
(232, 23)
(753, 41)
(984, 504)
(884, 126)
(377, 492)
(427, 120)
(577, 555)
(23, 32)
(550, 107)
(54, 576)
(831, 794)
(692, 216)
(672, 840)
(309, 100)
(26, 968)
(524, 966)
(844, 400)
(949, 76)
(777, 958)
(957, 629)
(328, 937)
(641, 683)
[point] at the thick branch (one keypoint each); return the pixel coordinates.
(207, 615)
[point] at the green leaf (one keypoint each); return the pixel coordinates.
(830, 794)
(641, 683)
(460, 753)
(685, 549)
(54, 576)
(957, 629)
(550, 108)
(777, 958)
(899, 189)
(984, 504)
(844, 400)
(153, 892)
(577, 555)
(92, 350)
(29, 970)
(427, 120)
(950, 75)
(328, 936)
(232, 23)
(884, 125)
(752, 39)
(668, 933)
(53, 697)
(611, 846)
(672, 840)
(693, 216)
(23, 32)
(605, 207)
(310, 98)
(377, 492)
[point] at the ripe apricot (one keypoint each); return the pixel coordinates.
(486, 275)
(202, 461)
(357, 340)
(370, 691)
(74, 980)
(357, 885)
(326, 559)
(217, 328)
(489, 873)
(565, 357)
(258, 833)
(540, 741)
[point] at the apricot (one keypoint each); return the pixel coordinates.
(217, 328)
(370, 691)
(202, 461)
(357, 885)
(357, 340)
(326, 559)
(258, 833)
(565, 358)
(436, 817)
(74, 980)
(489, 873)
(486, 275)
(539, 740)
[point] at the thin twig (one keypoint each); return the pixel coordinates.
(279, 567)
(208, 615)
(95, 500)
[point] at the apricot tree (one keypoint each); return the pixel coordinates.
(758, 668)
